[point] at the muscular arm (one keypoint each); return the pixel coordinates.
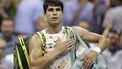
(102, 41)
(38, 61)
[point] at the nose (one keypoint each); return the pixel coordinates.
(54, 12)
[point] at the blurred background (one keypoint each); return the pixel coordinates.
(24, 17)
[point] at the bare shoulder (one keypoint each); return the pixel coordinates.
(78, 28)
(80, 31)
(34, 41)
(34, 38)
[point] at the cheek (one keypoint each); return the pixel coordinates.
(48, 16)
(60, 15)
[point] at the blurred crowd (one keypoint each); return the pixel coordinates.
(24, 17)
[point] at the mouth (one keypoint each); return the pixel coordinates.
(54, 18)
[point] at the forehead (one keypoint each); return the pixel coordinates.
(53, 7)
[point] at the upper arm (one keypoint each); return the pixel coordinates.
(35, 50)
(86, 35)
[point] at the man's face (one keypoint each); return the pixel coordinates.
(54, 15)
(7, 28)
(114, 40)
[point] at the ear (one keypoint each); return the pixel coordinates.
(62, 15)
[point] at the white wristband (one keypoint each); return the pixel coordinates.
(97, 49)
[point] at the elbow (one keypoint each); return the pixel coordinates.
(35, 65)
(32, 62)
(38, 63)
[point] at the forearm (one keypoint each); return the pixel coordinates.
(106, 31)
(43, 62)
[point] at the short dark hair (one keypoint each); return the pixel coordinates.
(114, 31)
(52, 3)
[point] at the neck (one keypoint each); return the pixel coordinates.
(54, 30)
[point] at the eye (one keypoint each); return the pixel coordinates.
(58, 9)
(50, 9)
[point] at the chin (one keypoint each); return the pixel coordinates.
(55, 24)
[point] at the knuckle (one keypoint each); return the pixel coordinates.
(86, 62)
(89, 56)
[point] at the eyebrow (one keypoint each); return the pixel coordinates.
(58, 9)
(50, 9)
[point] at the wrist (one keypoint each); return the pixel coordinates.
(97, 49)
